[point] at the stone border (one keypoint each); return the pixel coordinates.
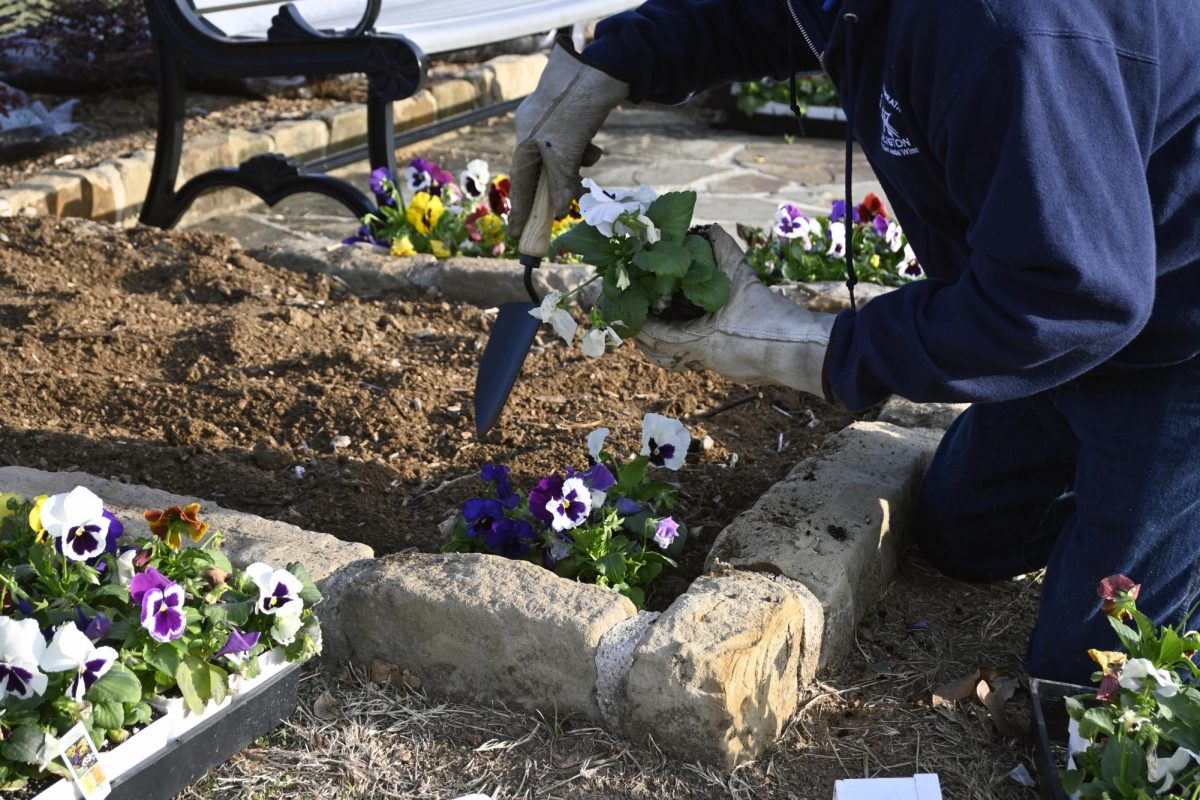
(113, 190)
(714, 678)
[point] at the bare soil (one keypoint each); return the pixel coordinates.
(177, 361)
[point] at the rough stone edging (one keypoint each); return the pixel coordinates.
(112, 191)
(715, 677)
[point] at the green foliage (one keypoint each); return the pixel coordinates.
(811, 90)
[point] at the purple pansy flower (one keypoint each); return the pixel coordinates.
(511, 538)
(498, 474)
(598, 479)
(481, 514)
(427, 176)
(72, 650)
(627, 507)
(570, 508)
(96, 628)
(162, 612)
(146, 581)
(239, 642)
(838, 212)
(547, 488)
(881, 225)
(665, 532)
(379, 178)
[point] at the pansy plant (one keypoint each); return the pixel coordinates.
(807, 247)
(1142, 724)
(642, 247)
(605, 524)
(94, 622)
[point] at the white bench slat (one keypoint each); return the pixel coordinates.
(435, 27)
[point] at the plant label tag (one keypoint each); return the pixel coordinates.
(83, 762)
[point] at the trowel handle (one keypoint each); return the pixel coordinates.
(535, 239)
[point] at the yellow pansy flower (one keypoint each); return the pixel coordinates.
(438, 248)
(875, 261)
(403, 246)
(35, 517)
(4, 498)
(492, 227)
(1110, 661)
(425, 211)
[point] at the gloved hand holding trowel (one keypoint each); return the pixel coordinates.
(1053, 225)
(759, 337)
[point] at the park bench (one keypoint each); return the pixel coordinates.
(236, 39)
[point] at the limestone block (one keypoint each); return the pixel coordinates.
(481, 627)
(241, 145)
(135, 176)
(26, 195)
(103, 192)
(347, 125)
(484, 80)
(488, 282)
(833, 296)
(414, 111)
(715, 679)
(6, 208)
(248, 538)
(455, 95)
(63, 193)
(836, 524)
(515, 76)
(907, 414)
(362, 267)
(303, 139)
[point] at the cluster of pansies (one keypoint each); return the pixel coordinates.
(644, 250)
(94, 625)
(1141, 727)
(798, 247)
(608, 524)
(444, 216)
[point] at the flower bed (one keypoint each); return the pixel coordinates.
(764, 107)
(103, 632)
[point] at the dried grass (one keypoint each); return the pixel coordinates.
(869, 717)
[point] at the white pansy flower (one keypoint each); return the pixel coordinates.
(595, 442)
(285, 628)
(665, 441)
(894, 237)
(600, 208)
(1135, 672)
(474, 179)
(570, 509)
(72, 651)
(910, 269)
(21, 650)
(837, 240)
(562, 322)
(125, 568)
(1165, 770)
(596, 339)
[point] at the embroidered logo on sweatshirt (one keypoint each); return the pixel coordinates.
(891, 137)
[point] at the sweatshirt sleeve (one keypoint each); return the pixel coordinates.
(1041, 154)
(666, 50)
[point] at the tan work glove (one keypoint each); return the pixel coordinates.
(555, 126)
(758, 337)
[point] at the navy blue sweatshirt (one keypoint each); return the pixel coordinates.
(1042, 157)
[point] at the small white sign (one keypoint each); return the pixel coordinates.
(83, 762)
(918, 787)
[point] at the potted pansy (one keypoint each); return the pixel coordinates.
(609, 523)
(764, 106)
(1136, 734)
(803, 248)
(443, 215)
(649, 257)
(133, 641)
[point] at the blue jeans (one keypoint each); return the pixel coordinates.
(1095, 477)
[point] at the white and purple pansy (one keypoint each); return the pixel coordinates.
(598, 479)
(665, 441)
(571, 507)
(163, 614)
(837, 239)
(278, 589)
(239, 642)
(665, 531)
(72, 651)
(601, 207)
(910, 269)
(791, 223)
(21, 650)
(76, 520)
(475, 179)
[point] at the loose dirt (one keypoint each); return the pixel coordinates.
(177, 361)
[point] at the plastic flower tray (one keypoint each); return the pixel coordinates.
(178, 748)
(776, 119)
(1051, 721)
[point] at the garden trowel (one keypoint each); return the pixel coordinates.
(515, 327)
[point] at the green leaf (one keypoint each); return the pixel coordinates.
(230, 614)
(712, 295)
(109, 716)
(138, 714)
(672, 214)
(1096, 721)
(612, 566)
(308, 592)
(664, 258)
(589, 244)
(118, 685)
(194, 678)
(630, 309)
(665, 285)
(164, 657)
(25, 745)
(1170, 649)
(700, 250)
